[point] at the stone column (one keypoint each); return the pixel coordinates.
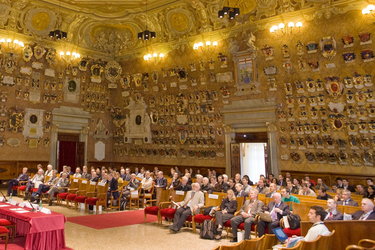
(274, 154)
(229, 138)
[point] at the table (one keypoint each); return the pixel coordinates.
(42, 231)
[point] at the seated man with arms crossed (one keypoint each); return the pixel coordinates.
(247, 214)
(193, 201)
(59, 187)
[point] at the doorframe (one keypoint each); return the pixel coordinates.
(69, 120)
(249, 116)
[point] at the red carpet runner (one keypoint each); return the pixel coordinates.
(110, 220)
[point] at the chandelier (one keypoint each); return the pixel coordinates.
(230, 11)
(58, 34)
(146, 34)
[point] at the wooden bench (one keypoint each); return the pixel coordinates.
(347, 232)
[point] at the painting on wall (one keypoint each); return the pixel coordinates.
(246, 81)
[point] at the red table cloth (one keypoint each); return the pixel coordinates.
(42, 231)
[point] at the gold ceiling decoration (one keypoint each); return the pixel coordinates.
(110, 27)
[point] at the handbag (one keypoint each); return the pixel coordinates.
(265, 217)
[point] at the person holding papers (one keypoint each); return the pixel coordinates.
(193, 201)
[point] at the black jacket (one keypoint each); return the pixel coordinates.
(229, 205)
(185, 188)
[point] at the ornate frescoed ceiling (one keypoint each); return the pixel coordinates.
(110, 27)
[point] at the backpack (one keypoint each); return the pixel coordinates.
(294, 221)
(208, 230)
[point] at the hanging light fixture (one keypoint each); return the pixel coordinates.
(146, 34)
(58, 34)
(230, 11)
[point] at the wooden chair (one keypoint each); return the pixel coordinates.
(70, 198)
(21, 188)
(356, 247)
(11, 226)
(255, 244)
(210, 200)
(73, 188)
(135, 196)
(82, 194)
(166, 209)
(4, 233)
(98, 198)
(162, 195)
(367, 243)
(117, 204)
(326, 241)
(147, 196)
(237, 246)
(268, 241)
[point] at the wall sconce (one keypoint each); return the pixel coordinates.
(207, 44)
(154, 57)
(69, 56)
(286, 29)
(369, 10)
(12, 44)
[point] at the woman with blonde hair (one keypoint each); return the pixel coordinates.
(225, 212)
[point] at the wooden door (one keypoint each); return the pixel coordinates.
(235, 158)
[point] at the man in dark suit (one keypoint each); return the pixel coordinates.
(276, 209)
(347, 186)
(339, 183)
(332, 213)
(206, 187)
(94, 177)
(112, 188)
(247, 214)
(161, 182)
(347, 200)
(22, 177)
(281, 182)
(239, 190)
(184, 186)
(367, 212)
(85, 174)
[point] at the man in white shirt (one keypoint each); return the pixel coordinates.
(316, 215)
(49, 170)
(77, 173)
(147, 182)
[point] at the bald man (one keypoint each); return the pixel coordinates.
(367, 211)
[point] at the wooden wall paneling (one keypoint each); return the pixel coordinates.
(330, 178)
(347, 232)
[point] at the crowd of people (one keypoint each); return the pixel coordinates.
(280, 190)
